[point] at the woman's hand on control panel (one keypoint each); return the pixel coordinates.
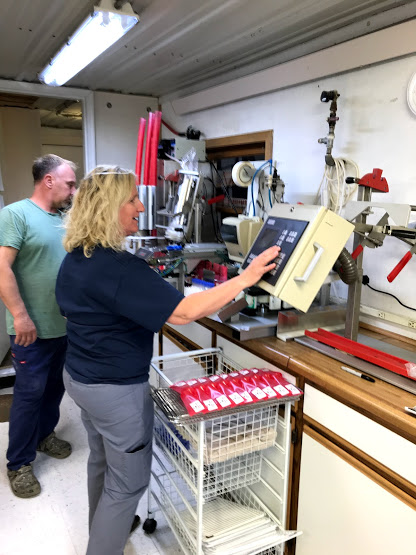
(262, 264)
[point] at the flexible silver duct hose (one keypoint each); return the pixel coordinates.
(346, 267)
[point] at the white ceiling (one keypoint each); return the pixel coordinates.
(182, 46)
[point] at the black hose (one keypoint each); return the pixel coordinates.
(346, 267)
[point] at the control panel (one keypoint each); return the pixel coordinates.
(311, 238)
(285, 234)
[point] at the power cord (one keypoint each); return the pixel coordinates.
(214, 220)
(366, 281)
(213, 166)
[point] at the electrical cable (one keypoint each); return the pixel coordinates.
(366, 281)
(333, 192)
(172, 130)
(214, 222)
(252, 184)
(222, 184)
(167, 271)
(260, 199)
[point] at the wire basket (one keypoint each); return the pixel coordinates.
(191, 364)
(218, 477)
(230, 524)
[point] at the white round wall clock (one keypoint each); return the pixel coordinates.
(411, 93)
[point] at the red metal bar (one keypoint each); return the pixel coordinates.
(214, 200)
(399, 267)
(345, 341)
(385, 360)
(357, 252)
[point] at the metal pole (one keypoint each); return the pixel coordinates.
(352, 322)
(200, 488)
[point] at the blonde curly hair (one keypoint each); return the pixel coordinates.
(93, 218)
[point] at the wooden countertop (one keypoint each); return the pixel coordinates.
(382, 402)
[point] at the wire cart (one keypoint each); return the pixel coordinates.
(220, 480)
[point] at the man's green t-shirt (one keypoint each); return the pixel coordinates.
(37, 235)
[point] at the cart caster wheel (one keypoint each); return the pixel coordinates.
(149, 525)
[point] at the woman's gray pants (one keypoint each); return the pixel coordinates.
(119, 423)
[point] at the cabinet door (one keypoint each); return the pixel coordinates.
(344, 512)
(362, 432)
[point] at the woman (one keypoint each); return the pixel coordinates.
(114, 303)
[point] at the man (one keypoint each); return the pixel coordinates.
(31, 252)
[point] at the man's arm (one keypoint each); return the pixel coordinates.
(9, 293)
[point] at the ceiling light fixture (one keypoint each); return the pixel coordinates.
(105, 26)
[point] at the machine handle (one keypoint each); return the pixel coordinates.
(399, 267)
(312, 264)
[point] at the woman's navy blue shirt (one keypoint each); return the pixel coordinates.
(113, 303)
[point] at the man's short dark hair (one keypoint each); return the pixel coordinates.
(46, 164)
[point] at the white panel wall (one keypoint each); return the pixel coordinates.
(375, 129)
(117, 118)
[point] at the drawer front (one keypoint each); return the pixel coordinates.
(382, 444)
(344, 512)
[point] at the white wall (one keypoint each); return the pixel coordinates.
(375, 128)
(66, 143)
(20, 145)
(117, 118)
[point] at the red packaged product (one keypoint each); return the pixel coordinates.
(280, 384)
(276, 381)
(207, 394)
(218, 392)
(265, 382)
(253, 383)
(231, 388)
(238, 390)
(190, 397)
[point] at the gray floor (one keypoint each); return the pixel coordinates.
(55, 522)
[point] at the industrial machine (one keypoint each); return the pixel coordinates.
(352, 349)
(239, 234)
(170, 229)
(174, 211)
(264, 189)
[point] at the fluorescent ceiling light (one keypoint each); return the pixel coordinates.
(98, 32)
